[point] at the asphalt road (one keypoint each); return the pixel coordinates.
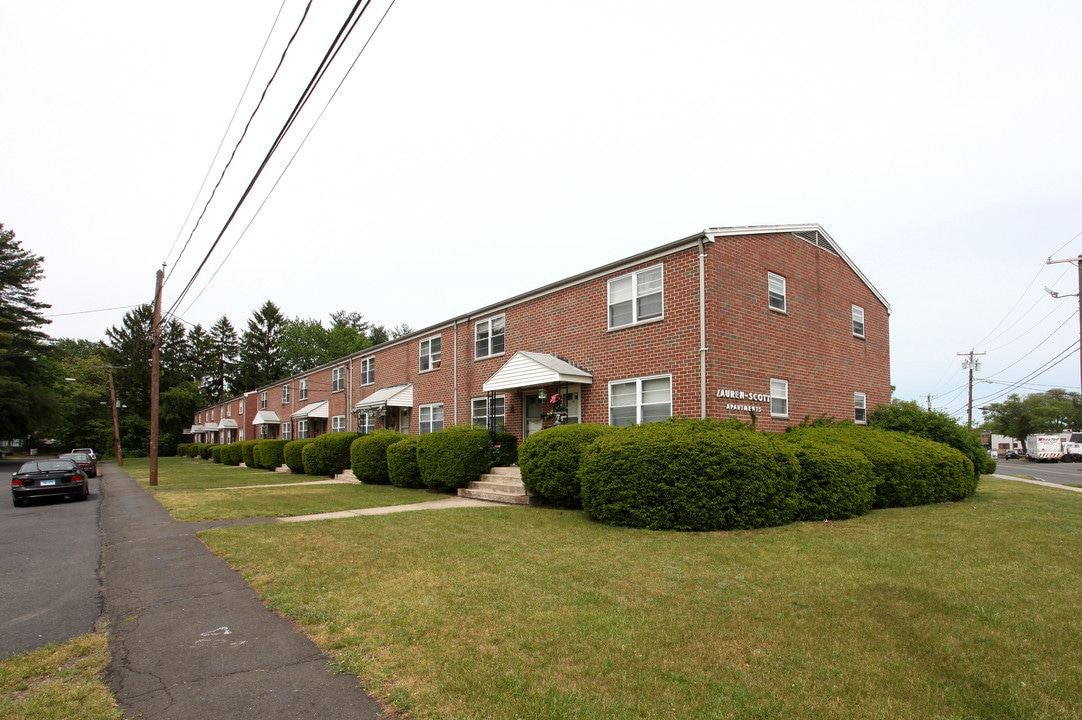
(50, 551)
(1059, 473)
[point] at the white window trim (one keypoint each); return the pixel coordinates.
(286, 431)
(302, 389)
(860, 407)
(858, 310)
(370, 362)
(488, 322)
(784, 292)
(338, 423)
(303, 429)
(263, 400)
(635, 298)
(338, 379)
(784, 384)
(431, 407)
(638, 394)
(423, 356)
(285, 394)
(501, 417)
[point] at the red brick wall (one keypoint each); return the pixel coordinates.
(811, 345)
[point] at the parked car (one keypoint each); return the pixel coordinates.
(1013, 454)
(48, 478)
(88, 451)
(87, 463)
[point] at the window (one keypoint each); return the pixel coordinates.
(637, 297)
(858, 321)
(302, 389)
(338, 380)
(264, 432)
(779, 398)
(860, 408)
(776, 291)
(287, 431)
(263, 400)
(285, 394)
(480, 411)
(365, 423)
(229, 410)
(430, 354)
(338, 423)
(368, 371)
(643, 400)
(431, 418)
(489, 337)
(302, 429)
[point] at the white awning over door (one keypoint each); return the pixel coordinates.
(530, 369)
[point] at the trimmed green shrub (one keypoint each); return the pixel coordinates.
(454, 457)
(293, 453)
(368, 456)
(909, 417)
(504, 450)
(549, 462)
(231, 454)
(402, 466)
(836, 482)
(247, 452)
(689, 475)
(269, 454)
(216, 453)
(328, 455)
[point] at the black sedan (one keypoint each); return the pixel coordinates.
(46, 478)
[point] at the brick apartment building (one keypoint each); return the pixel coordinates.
(771, 322)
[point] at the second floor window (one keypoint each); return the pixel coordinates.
(489, 337)
(858, 321)
(368, 371)
(263, 400)
(338, 379)
(430, 354)
(302, 389)
(285, 394)
(637, 297)
(776, 291)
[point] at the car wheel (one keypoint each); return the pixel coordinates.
(17, 502)
(86, 492)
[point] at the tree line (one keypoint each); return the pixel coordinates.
(57, 389)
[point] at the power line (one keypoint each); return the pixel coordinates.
(291, 159)
(343, 34)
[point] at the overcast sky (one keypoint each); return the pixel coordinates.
(482, 148)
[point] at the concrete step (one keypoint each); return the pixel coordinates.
(501, 484)
(499, 497)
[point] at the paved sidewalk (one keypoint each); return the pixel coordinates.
(190, 639)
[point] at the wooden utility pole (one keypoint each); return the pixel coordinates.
(116, 425)
(971, 364)
(1078, 261)
(155, 374)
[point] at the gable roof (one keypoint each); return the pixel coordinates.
(528, 369)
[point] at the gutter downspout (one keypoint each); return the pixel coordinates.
(454, 378)
(702, 327)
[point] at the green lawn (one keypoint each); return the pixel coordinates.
(58, 682)
(181, 473)
(963, 610)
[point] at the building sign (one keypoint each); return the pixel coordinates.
(740, 401)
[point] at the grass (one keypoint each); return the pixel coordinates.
(58, 682)
(193, 490)
(962, 610)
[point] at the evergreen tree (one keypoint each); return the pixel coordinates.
(261, 357)
(25, 391)
(224, 357)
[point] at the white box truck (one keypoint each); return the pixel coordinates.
(1044, 448)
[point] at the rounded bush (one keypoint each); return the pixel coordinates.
(328, 454)
(402, 464)
(549, 462)
(216, 453)
(836, 482)
(368, 456)
(231, 454)
(690, 475)
(247, 452)
(269, 454)
(293, 453)
(454, 457)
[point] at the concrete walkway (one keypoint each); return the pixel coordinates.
(1042, 483)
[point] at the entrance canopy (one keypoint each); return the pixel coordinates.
(227, 423)
(266, 417)
(319, 409)
(530, 369)
(394, 396)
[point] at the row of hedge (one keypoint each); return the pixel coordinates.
(720, 475)
(443, 461)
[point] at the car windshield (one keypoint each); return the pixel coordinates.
(77, 457)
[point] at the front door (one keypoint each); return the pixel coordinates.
(532, 413)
